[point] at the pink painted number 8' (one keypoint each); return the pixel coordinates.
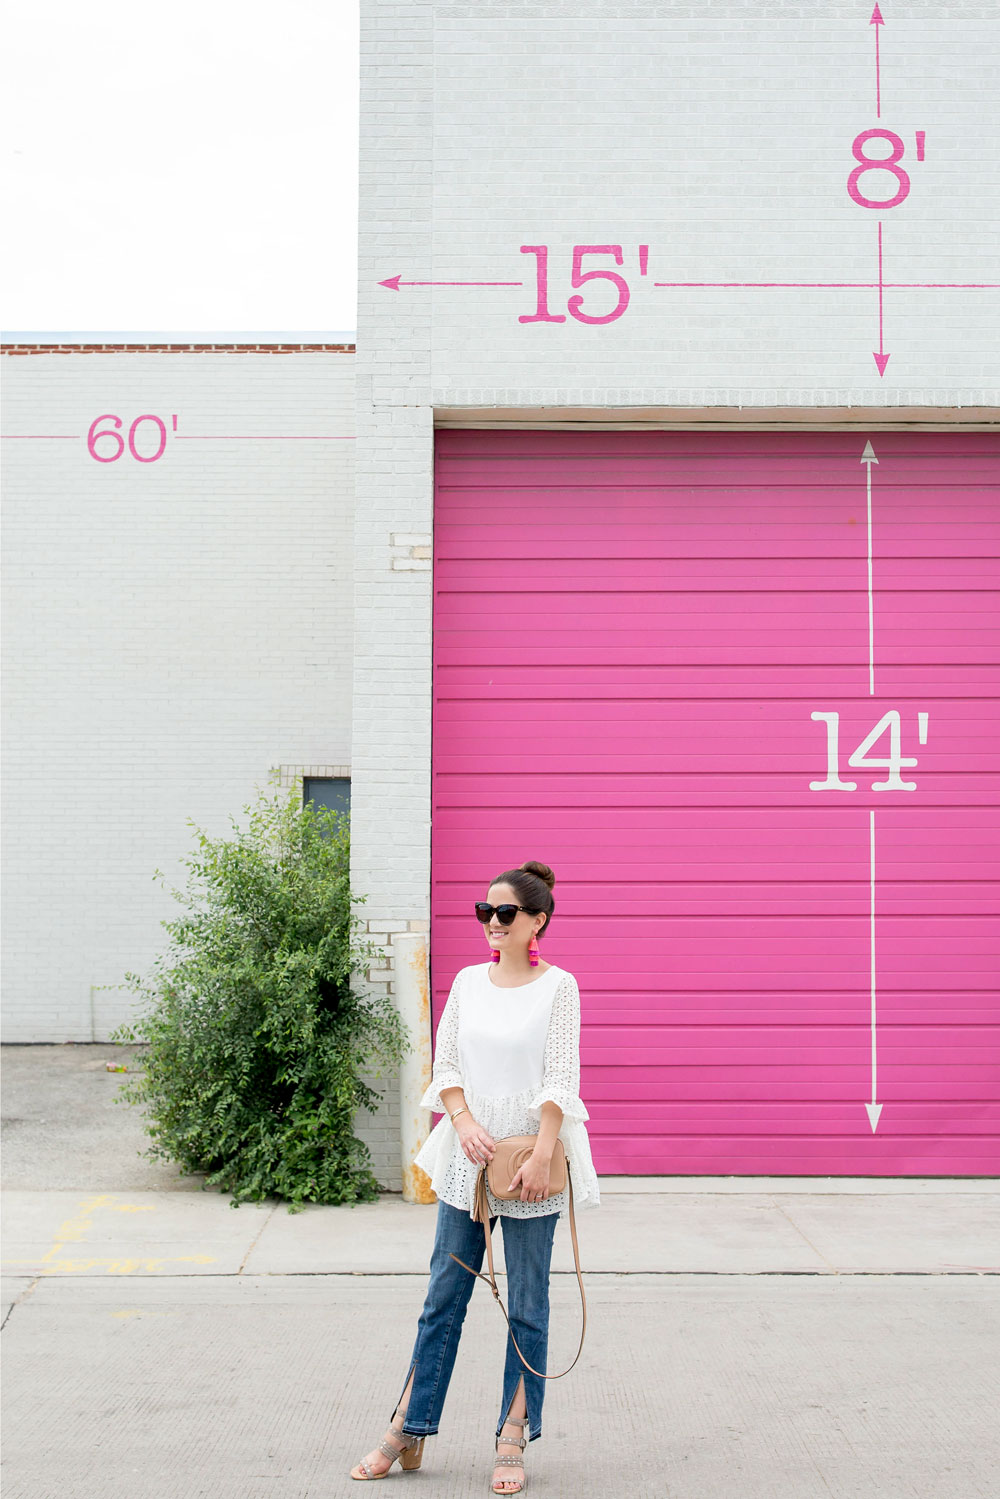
(880, 163)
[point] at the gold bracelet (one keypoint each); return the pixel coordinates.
(463, 1110)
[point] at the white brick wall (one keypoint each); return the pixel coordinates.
(172, 631)
(721, 137)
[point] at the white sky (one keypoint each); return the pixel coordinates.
(188, 168)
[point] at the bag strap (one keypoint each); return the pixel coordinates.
(482, 1214)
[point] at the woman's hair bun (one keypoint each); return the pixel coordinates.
(542, 870)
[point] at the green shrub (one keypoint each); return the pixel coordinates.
(255, 1034)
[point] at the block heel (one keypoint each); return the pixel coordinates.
(510, 1462)
(410, 1453)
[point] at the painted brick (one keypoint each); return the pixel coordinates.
(721, 138)
(173, 630)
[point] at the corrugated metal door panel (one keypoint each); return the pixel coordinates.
(631, 633)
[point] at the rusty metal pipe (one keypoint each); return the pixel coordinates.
(409, 958)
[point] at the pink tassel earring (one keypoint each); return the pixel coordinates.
(495, 955)
(533, 952)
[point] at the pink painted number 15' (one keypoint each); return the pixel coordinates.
(578, 278)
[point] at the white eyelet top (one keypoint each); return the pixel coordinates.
(510, 1050)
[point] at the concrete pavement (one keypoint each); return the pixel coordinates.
(803, 1338)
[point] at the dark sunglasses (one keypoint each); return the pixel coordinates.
(504, 914)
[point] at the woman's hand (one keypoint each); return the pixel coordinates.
(534, 1179)
(477, 1143)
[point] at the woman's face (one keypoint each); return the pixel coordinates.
(521, 930)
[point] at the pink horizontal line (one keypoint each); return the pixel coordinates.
(911, 285)
(461, 283)
(185, 437)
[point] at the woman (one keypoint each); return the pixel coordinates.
(507, 1062)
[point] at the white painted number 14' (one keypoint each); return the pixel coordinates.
(858, 759)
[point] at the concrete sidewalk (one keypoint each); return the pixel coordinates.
(801, 1338)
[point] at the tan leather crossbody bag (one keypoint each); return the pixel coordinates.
(509, 1156)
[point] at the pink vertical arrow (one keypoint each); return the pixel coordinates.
(881, 358)
(877, 21)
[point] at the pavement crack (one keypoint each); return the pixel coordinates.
(253, 1246)
(18, 1299)
(805, 1238)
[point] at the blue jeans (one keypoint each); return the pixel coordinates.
(527, 1245)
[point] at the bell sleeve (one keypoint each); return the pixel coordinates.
(447, 1072)
(561, 1068)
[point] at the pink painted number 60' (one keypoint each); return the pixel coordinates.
(94, 437)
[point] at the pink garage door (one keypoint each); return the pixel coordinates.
(763, 767)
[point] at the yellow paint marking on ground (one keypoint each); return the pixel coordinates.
(118, 1266)
(73, 1230)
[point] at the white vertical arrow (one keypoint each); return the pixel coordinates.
(874, 1108)
(868, 457)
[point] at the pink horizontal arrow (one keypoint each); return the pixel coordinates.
(395, 282)
(877, 21)
(850, 285)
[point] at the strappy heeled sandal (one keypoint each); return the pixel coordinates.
(409, 1453)
(510, 1462)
